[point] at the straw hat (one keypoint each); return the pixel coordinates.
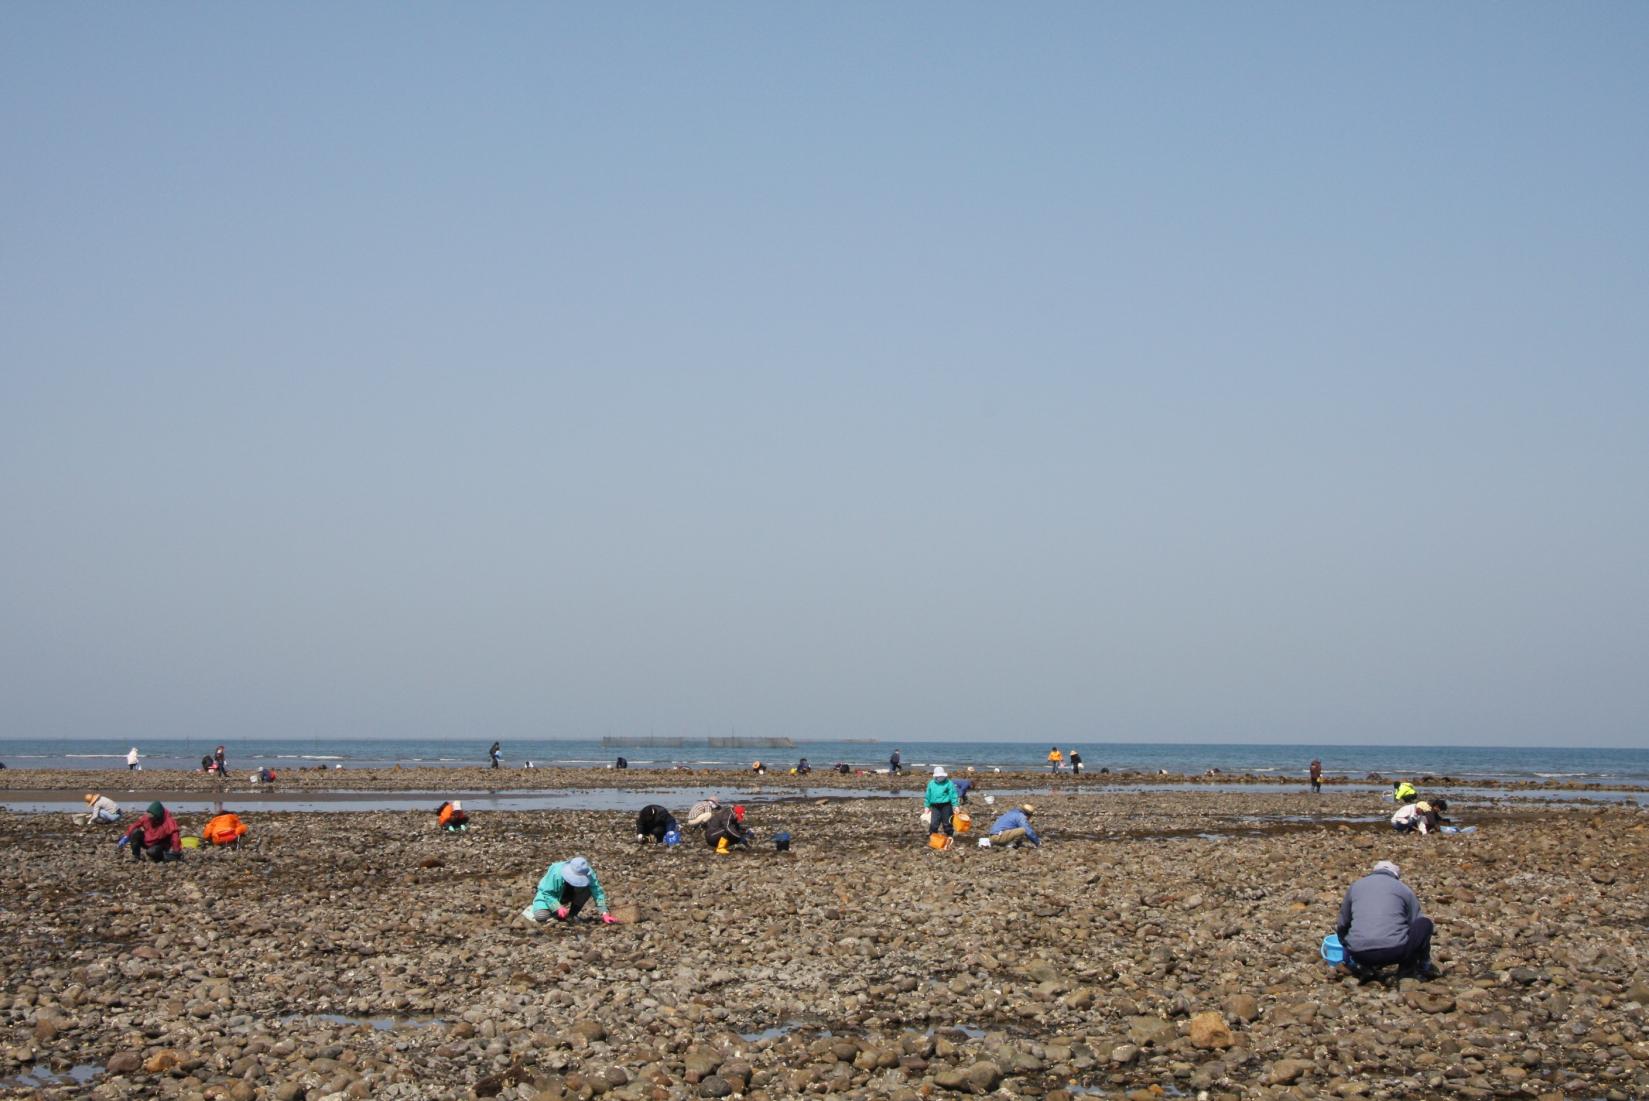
(91, 797)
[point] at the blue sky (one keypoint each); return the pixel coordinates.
(1078, 372)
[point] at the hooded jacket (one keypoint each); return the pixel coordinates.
(151, 833)
(1377, 912)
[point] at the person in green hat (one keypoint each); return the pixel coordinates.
(157, 834)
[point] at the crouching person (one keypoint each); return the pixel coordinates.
(1014, 828)
(452, 817)
(654, 821)
(1380, 922)
(225, 829)
(100, 809)
(155, 834)
(567, 885)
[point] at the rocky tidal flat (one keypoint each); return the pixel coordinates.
(1161, 944)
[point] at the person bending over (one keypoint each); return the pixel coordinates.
(567, 885)
(1014, 828)
(100, 809)
(155, 834)
(654, 821)
(1380, 922)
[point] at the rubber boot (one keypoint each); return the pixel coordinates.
(721, 847)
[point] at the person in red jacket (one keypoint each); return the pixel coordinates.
(157, 835)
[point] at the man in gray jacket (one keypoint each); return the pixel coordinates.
(1380, 923)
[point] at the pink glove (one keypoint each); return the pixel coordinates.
(561, 914)
(608, 919)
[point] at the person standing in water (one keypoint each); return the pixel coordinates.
(893, 765)
(221, 759)
(1316, 776)
(495, 752)
(131, 759)
(1055, 759)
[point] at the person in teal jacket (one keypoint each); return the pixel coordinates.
(567, 885)
(941, 799)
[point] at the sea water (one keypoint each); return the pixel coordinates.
(1618, 767)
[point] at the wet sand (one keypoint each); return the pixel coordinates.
(1160, 944)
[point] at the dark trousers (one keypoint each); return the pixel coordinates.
(941, 819)
(157, 853)
(1413, 952)
(1316, 785)
(574, 898)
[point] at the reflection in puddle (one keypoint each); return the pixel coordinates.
(41, 1077)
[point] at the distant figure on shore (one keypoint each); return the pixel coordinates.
(802, 767)
(131, 759)
(841, 768)
(1403, 792)
(962, 788)
(757, 767)
(1056, 760)
(567, 885)
(940, 799)
(621, 763)
(495, 752)
(157, 835)
(1076, 763)
(452, 817)
(893, 765)
(100, 809)
(1380, 922)
(1316, 776)
(224, 829)
(1014, 828)
(221, 759)
(654, 821)
(726, 829)
(265, 775)
(699, 813)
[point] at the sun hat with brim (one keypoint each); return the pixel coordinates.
(1028, 808)
(576, 872)
(938, 772)
(91, 797)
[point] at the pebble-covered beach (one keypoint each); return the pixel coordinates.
(1160, 944)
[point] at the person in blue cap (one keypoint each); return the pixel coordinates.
(567, 885)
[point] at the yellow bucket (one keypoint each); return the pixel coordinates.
(191, 842)
(963, 821)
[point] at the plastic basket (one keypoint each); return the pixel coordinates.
(1333, 951)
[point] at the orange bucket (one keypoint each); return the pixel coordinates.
(963, 821)
(938, 841)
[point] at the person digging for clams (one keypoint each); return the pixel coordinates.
(1380, 923)
(155, 835)
(567, 885)
(1014, 828)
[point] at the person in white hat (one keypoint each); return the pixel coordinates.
(567, 885)
(941, 800)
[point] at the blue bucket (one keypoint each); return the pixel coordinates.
(1333, 951)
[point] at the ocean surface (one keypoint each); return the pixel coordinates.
(1622, 767)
